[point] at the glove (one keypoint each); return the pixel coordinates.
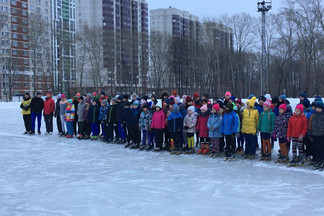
(301, 137)
(186, 127)
(238, 135)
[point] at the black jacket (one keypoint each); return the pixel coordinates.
(112, 114)
(57, 107)
(37, 105)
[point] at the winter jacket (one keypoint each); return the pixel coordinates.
(202, 124)
(229, 123)
(86, 109)
(111, 118)
(25, 106)
(81, 106)
(103, 114)
(94, 114)
(57, 107)
(37, 105)
(69, 113)
(49, 106)
(145, 120)
(250, 119)
(134, 118)
(214, 125)
(175, 120)
(281, 125)
(127, 115)
(158, 120)
(119, 112)
(63, 105)
(310, 113)
(275, 110)
(266, 122)
(258, 107)
(297, 126)
(191, 122)
(316, 124)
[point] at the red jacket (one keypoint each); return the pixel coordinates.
(158, 120)
(297, 126)
(202, 126)
(49, 106)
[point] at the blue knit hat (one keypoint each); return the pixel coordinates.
(251, 96)
(232, 98)
(283, 97)
(319, 104)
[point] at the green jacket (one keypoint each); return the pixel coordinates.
(266, 121)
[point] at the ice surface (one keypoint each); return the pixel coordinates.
(49, 175)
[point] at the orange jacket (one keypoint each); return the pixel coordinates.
(297, 126)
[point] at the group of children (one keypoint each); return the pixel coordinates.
(219, 125)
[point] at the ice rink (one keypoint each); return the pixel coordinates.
(50, 175)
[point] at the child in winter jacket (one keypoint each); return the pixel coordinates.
(203, 130)
(189, 125)
(69, 118)
(266, 126)
(94, 119)
(229, 127)
(316, 131)
(126, 121)
(280, 129)
(81, 106)
(297, 130)
(103, 118)
(240, 136)
(86, 119)
(250, 118)
(175, 125)
(214, 124)
(145, 125)
(158, 125)
(63, 104)
(135, 132)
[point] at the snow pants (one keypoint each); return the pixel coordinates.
(69, 127)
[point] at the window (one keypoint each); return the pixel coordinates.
(39, 77)
(26, 69)
(24, 13)
(13, 10)
(24, 29)
(16, 76)
(25, 45)
(26, 61)
(14, 27)
(37, 1)
(15, 35)
(15, 43)
(14, 19)
(4, 34)
(46, 11)
(14, 52)
(40, 85)
(26, 77)
(26, 85)
(16, 84)
(13, 2)
(38, 9)
(26, 53)
(24, 21)
(25, 37)
(24, 4)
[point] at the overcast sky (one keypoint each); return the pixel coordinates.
(203, 8)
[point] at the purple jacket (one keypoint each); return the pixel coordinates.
(281, 125)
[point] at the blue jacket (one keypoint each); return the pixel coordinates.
(214, 124)
(127, 117)
(276, 111)
(258, 107)
(175, 120)
(229, 123)
(103, 113)
(309, 114)
(134, 118)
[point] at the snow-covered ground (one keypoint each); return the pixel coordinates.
(49, 175)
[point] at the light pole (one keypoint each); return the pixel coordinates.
(263, 7)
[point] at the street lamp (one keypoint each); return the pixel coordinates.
(263, 7)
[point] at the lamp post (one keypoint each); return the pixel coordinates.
(263, 7)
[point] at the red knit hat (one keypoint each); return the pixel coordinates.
(300, 107)
(267, 104)
(189, 99)
(94, 93)
(228, 94)
(216, 107)
(283, 106)
(239, 101)
(78, 94)
(196, 95)
(174, 92)
(62, 95)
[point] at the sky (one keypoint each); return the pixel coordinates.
(213, 8)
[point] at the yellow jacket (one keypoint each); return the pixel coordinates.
(250, 119)
(25, 106)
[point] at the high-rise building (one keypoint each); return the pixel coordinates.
(17, 48)
(124, 26)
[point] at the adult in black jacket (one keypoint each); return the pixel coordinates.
(112, 121)
(37, 106)
(57, 114)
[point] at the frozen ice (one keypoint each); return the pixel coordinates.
(50, 175)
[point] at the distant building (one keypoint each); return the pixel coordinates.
(124, 26)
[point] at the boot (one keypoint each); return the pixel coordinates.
(201, 150)
(206, 151)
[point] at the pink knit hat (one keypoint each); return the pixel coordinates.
(228, 94)
(283, 106)
(62, 95)
(267, 104)
(216, 107)
(204, 108)
(300, 107)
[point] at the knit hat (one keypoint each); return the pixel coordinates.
(94, 93)
(125, 97)
(120, 97)
(239, 101)
(230, 106)
(176, 108)
(251, 102)
(232, 98)
(313, 104)
(318, 98)
(174, 92)
(283, 106)
(216, 107)
(275, 100)
(165, 94)
(303, 94)
(89, 95)
(104, 102)
(136, 103)
(319, 104)
(192, 108)
(251, 96)
(159, 104)
(268, 96)
(103, 93)
(167, 101)
(188, 99)
(206, 95)
(184, 99)
(196, 95)
(146, 105)
(62, 95)
(114, 100)
(78, 94)
(306, 103)
(145, 97)
(267, 104)
(283, 97)
(127, 103)
(220, 102)
(58, 96)
(204, 108)
(262, 98)
(300, 107)
(178, 99)
(228, 94)
(70, 101)
(81, 98)
(39, 93)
